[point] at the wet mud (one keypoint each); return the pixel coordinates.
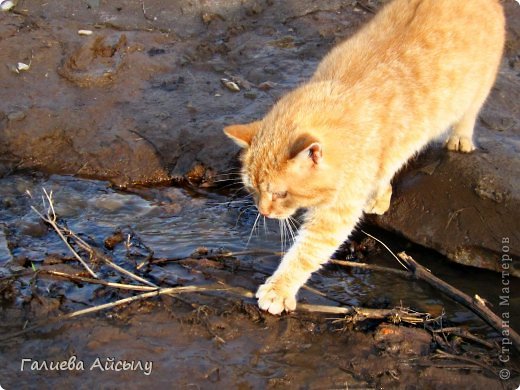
(144, 98)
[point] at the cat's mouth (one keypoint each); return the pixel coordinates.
(277, 215)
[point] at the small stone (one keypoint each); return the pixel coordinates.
(266, 85)
(21, 66)
(231, 85)
(16, 116)
(208, 17)
(250, 95)
(486, 189)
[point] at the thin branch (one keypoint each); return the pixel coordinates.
(94, 253)
(464, 334)
(357, 314)
(120, 302)
(474, 305)
(372, 267)
(50, 218)
(77, 278)
(440, 354)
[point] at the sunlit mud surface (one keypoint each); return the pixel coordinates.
(215, 338)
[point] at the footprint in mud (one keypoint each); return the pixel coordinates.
(95, 63)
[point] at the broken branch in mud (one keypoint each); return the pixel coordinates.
(357, 314)
(94, 253)
(445, 355)
(51, 219)
(64, 233)
(120, 302)
(372, 267)
(474, 305)
(77, 278)
(465, 335)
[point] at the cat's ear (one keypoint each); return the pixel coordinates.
(307, 148)
(242, 134)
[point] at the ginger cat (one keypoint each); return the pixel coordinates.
(333, 145)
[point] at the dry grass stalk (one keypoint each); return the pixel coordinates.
(51, 219)
(77, 278)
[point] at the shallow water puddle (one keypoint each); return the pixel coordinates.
(230, 347)
(174, 223)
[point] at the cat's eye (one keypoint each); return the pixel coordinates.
(279, 195)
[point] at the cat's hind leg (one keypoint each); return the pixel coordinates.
(461, 136)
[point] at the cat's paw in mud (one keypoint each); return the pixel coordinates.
(275, 298)
(459, 143)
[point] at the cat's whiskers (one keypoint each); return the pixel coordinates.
(281, 235)
(290, 229)
(247, 208)
(252, 229)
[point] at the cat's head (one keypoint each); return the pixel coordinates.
(283, 170)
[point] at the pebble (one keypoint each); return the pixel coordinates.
(16, 116)
(21, 66)
(231, 85)
(266, 85)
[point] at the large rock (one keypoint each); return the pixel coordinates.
(141, 101)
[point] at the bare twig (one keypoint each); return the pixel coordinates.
(445, 355)
(372, 267)
(64, 232)
(464, 334)
(475, 306)
(120, 302)
(357, 314)
(77, 278)
(50, 218)
(94, 253)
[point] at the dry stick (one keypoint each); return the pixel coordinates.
(465, 334)
(211, 256)
(51, 220)
(440, 354)
(478, 308)
(96, 253)
(361, 313)
(372, 267)
(161, 291)
(122, 286)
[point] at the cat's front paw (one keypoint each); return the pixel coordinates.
(459, 143)
(274, 297)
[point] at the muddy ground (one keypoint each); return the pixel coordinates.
(141, 101)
